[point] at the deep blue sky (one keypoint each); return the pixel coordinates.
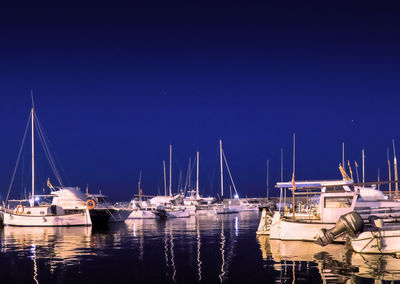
(116, 83)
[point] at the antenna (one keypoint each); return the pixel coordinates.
(344, 165)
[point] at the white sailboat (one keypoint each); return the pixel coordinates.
(66, 206)
(228, 206)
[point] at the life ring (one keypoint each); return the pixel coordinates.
(90, 204)
(19, 209)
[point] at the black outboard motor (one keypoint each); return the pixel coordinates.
(350, 223)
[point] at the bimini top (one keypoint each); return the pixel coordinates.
(314, 184)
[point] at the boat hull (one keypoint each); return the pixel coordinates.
(78, 219)
(299, 230)
(377, 242)
(142, 214)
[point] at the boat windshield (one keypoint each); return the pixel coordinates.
(338, 202)
(102, 200)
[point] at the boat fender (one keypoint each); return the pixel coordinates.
(90, 204)
(20, 209)
(350, 223)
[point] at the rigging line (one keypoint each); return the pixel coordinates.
(18, 158)
(47, 151)
(44, 139)
(227, 167)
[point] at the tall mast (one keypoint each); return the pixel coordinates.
(293, 178)
(170, 170)
(363, 166)
(197, 176)
(139, 189)
(222, 173)
(280, 195)
(395, 171)
(390, 174)
(267, 179)
(165, 179)
(33, 154)
(379, 180)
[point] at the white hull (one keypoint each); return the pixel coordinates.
(78, 219)
(298, 230)
(386, 241)
(180, 213)
(143, 214)
(227, 209)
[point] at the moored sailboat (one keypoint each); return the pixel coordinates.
(64, 206)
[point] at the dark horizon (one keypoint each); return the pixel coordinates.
(114, 86)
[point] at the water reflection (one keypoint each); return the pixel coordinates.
(185, 250)
(303, 261)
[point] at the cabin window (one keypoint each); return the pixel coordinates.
(42, 212)
(338, 202)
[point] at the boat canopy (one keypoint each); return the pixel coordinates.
(314, 184)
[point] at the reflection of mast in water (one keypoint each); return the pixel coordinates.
(198, 250)
(221, 276)
(171, 247)
(33, 249)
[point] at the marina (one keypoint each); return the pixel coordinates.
(199, 142)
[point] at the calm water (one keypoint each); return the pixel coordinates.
(203, 249)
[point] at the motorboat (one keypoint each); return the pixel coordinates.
(102, 211)
(336, 198)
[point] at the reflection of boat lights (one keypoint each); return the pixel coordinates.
(33, 250)
(236, 226)
(236, 196)
(222, 249)
(198, 251)
(171, 247)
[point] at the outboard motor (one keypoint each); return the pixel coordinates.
(350, 223)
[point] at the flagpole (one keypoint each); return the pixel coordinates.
(363, 167)
(351, 172)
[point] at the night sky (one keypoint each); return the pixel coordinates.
(115, 83)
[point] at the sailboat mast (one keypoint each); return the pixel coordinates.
(222, 176)
(33, 154)
(165, 179)
(197, 176)
(267, 179)
(395, 171)
(390, 174)
(170, 170)
(293, 178)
